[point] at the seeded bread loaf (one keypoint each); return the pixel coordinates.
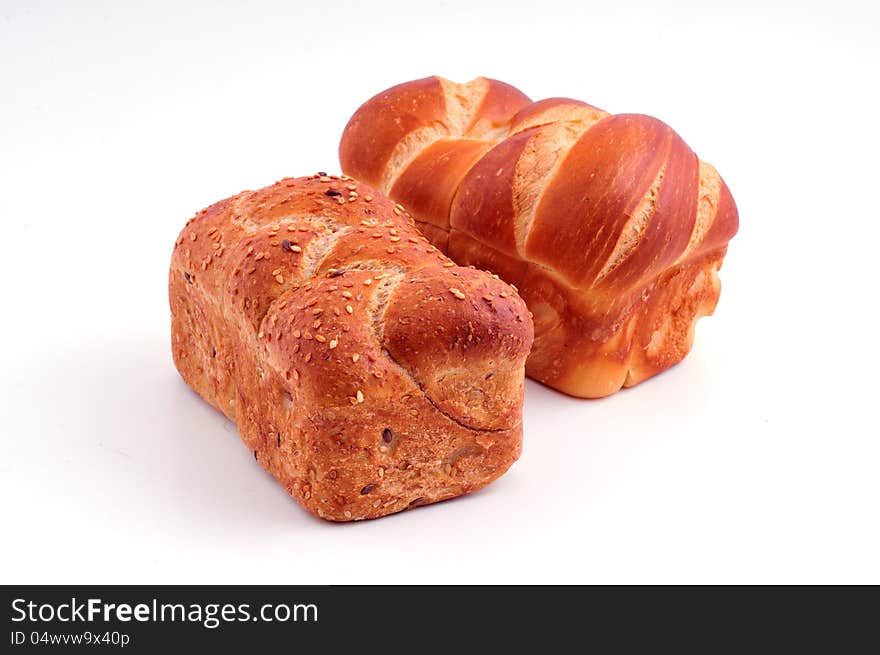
(610, 226)
(365, 370)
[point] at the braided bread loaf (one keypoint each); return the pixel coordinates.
(610, 226)
(365, 370)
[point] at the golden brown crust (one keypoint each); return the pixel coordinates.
(364, 369)
(610, 226)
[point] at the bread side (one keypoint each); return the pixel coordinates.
(364, 369)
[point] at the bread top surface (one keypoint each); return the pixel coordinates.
(602, 202)
(339, 288)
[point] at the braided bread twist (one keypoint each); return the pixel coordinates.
(365, 370)
(610, 226)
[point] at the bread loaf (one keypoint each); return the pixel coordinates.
(610, 226)
(366, 371)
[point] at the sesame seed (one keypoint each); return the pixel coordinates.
(346, 294)
(413, 240)
(352, 400)
(377, 235)
(449, 264)
(295, 373)
(394, 239)
(351, 187)
(368, 198)
(295, 248)
(291, 228)
(340, 200)
(355, 357)
(360, 396)
(279, 279)
(457, 293)
(397, 211)
(351, 199)
(513, 286)
(333, 343)
(368, 282)
(487, 298)
(193, 236)
(320, 338)
(297, 334)
(347, 514)
(324, 178)
(308, 357)
(349, 309)
(260, 255)
(316, 324)
(276, 271)
(381, 472)
(503, 294)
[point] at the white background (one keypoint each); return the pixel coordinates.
(756, 460)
